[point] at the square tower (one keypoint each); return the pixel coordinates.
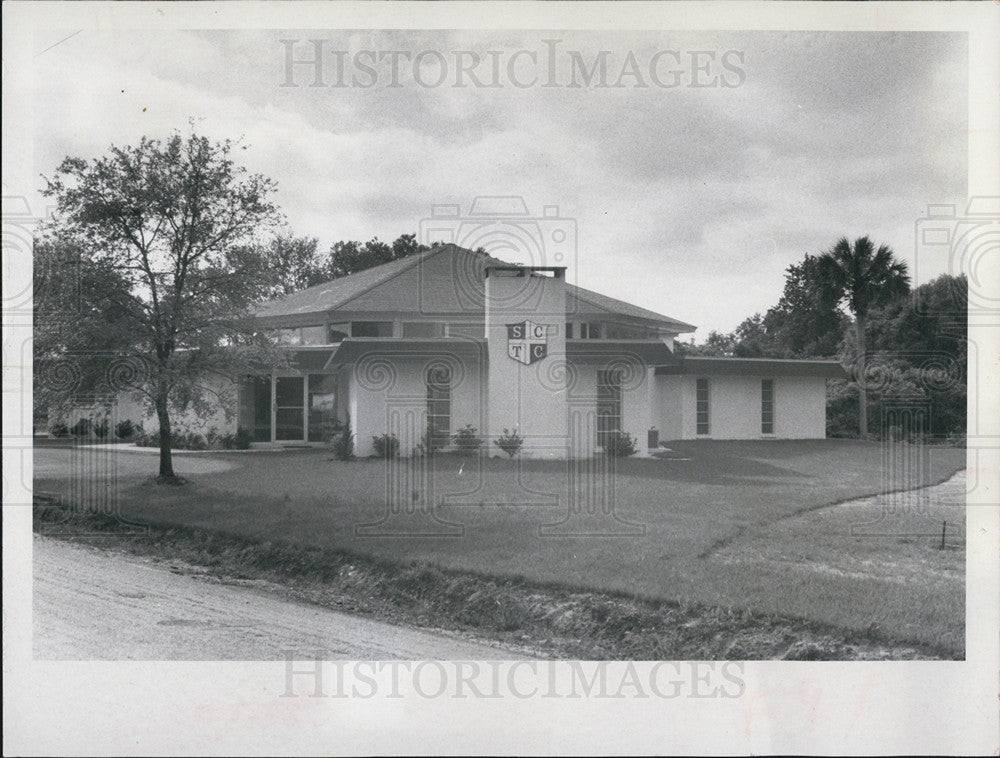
(525, 332)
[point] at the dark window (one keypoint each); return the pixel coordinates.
(624, 332)
(371, 328)
(767, 406)
(609, 404)
(472, 331)
(438, 380)
(569, 330)
(339, 332)
(701, 409)
(259, 396)
(591, 331)
(423, 329)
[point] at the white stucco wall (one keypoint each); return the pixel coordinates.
(735, 407)
(219, 396)
(670, 404)
(391, 397)
(639, 405)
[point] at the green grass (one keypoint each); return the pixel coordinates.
(739, 525)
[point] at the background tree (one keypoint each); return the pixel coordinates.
(294, 264)
(806, 322)
(173, 224)
(862, 277)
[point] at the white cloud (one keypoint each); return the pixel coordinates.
(689, 202)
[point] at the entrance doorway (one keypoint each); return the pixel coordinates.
(289, 408)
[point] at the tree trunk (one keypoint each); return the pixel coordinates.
(166, 459)
(862, 385)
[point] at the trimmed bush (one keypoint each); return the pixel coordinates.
(386, 446)
(467, 439)
(82, 427)
(343, 445)
(620, 445)
(244, 438)
(179, 440)
(59, 429)
(509, 442)
(124, 429)
(101, 428)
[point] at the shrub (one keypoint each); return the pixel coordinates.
(179, 440)
(343, 446)
(188, 441)
(124, 429)
(82, 427)
(101, 428)
(509, 442)
(243, 439)
(59, 429)
(239, 441)
(956, 439)
(467, 440)
(143, 438)
(620, 445)
(386, 445)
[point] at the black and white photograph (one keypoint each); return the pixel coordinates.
(496, 378)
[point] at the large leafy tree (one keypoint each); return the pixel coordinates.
(167, 234)
(806, 322)
(862, 277)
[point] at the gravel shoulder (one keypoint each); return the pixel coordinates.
(91, 604)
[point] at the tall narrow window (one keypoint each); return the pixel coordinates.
(701, 409)
(439, 403)
(767, 406)
(609, 404)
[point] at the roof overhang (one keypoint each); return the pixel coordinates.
(355, 349)
(690, 365)
(648, 352)
(310, 358)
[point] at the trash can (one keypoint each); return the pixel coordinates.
(652, 439)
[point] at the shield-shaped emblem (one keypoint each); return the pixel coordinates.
(527, 341)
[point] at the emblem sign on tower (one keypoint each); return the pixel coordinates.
(527, 342)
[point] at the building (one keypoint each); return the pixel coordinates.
(450, 338)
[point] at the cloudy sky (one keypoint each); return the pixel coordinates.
(687, 175)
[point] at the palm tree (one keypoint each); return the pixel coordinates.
(863, 278)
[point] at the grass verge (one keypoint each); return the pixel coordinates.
(546, 619)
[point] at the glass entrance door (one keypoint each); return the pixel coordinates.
(289, 408)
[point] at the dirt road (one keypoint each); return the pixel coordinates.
(95, 604)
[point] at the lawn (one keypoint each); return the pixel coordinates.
(736, 524)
